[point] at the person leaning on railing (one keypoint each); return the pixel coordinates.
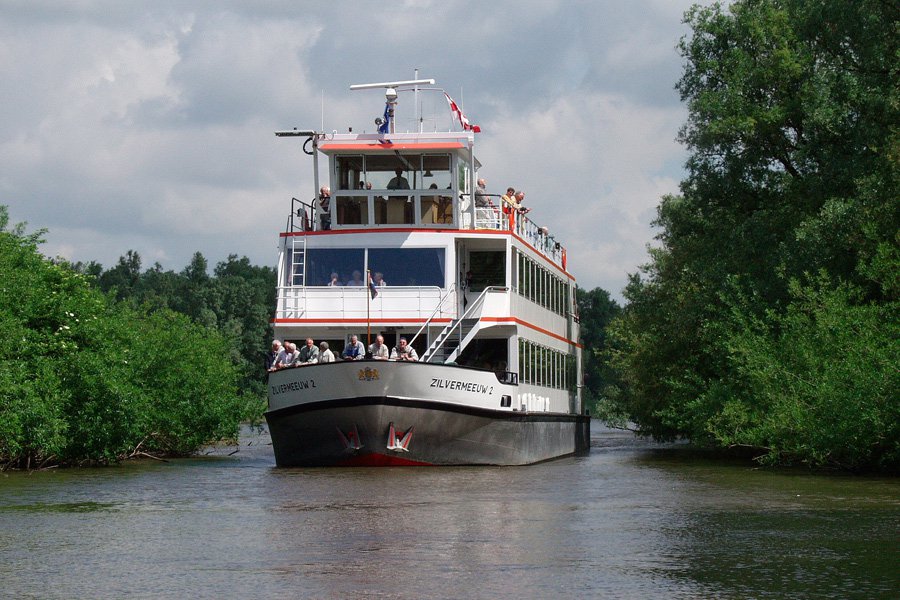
(272, 355)
(355, 350)
(404, 351)
(309, 354)
(507, 200)
(287, 357)
(325, 354)
(520, 196)
(378, 350)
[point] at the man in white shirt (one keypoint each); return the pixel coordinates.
(325, 354)
(378, 350)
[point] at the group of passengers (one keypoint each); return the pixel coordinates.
(510, 202)
(356, 280)
(288, 355)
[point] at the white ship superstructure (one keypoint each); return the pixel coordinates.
(404, 248)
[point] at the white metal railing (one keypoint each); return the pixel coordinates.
(538, 237)
(474, 311)
(493, 217)
(392, 302)
(434, 313)
(489, 217)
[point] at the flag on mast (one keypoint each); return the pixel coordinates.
(372, 290)
(463, 120)
(385, 127)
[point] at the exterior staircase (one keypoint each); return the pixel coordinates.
(450, 343)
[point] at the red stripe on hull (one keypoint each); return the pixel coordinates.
(380, 460)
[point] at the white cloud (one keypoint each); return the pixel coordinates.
(149, 127)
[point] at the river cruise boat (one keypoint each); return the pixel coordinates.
(404, 248)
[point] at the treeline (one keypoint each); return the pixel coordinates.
(767, 317)
(88, 378)
(236, 301)
(596, 311)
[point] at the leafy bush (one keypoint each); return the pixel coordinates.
(820, 381)
(86, 378)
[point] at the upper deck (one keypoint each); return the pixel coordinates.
(410, 181)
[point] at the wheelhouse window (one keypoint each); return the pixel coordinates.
(352, 210)
(399, 189)
(350, 172)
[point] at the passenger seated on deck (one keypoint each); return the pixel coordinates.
(378, 350)
(378, 280)
(287, 357)
(355, 350)
(309, 354)
(357, 280)
(272, 355)
(335, 281)
(325, 354)
(404, 351)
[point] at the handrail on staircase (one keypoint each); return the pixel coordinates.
(476, 304)
(440, 304)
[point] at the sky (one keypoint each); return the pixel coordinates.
(148, 126)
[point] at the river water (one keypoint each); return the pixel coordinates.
(632, 519)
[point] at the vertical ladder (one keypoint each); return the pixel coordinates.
(298, 260)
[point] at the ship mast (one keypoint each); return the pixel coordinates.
(390, 95)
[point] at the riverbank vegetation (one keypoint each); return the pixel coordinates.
(86, 378)
(767, 317)
(236, 301)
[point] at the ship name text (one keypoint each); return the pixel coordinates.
(466, 386)
(293, 386)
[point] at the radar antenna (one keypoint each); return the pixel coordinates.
(386, 125)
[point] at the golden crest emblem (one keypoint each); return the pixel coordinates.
(368, 374)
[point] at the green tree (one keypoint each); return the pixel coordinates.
(597, 309)
(236, 301)
(791, 195)
(86, 378)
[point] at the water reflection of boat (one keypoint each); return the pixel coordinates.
(483, 295)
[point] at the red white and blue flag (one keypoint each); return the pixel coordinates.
(463, 120)
(372, 290)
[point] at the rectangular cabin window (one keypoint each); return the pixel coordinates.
(534, 282)
(488, 269)
(435, 172)
(437, 209)
(388, 172)
(526, 278)
(350, 172)
(346, 265)
(522, 360)
(409, 266)
(351, 210)
(529, 362)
